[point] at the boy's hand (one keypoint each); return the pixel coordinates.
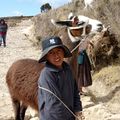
(80, 116)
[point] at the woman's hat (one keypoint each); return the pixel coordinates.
(50, 43)
(2, 20)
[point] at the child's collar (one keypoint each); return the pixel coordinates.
(52, 67)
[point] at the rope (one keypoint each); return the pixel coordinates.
(78, 118)
(75, 48)
(77, 45)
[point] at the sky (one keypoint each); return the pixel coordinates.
(26, 7)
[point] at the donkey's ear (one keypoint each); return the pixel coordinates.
(106, 31)
(67, 23)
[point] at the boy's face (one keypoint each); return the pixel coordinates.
(56, 57)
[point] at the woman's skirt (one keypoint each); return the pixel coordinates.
(84, 78)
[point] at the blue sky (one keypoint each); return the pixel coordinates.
(26, 7)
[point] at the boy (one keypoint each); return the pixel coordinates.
(56, 79)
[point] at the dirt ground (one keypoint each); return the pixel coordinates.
(102, 101)
(17, 47)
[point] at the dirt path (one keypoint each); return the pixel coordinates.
(17, 47)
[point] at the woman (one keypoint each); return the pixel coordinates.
(3, 32)
(84, 67)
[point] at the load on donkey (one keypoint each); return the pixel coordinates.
(22, 76)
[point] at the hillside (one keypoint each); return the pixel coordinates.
(107, 11)
(103, 99)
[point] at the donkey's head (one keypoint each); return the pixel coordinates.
(76, 29)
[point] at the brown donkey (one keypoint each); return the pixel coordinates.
(22, 76)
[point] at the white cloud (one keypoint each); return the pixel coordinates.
(17, 13)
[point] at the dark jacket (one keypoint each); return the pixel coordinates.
(61, 83)
(3, 28)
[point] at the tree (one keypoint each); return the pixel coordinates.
(45, 7)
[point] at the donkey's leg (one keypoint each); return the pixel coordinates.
(23, 109)
(16, 105)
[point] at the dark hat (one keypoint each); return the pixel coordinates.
(50, 43)
(2, 20)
